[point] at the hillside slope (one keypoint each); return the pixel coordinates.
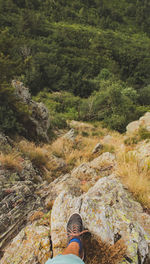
(79, 165)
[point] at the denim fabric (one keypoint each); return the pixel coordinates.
(65, 259)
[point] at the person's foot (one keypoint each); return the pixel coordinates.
(75, 230)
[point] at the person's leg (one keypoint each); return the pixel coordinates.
(74, 252)
(73, 248)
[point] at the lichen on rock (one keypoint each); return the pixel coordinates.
(109, 212)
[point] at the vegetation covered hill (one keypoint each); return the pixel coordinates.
(86, 48)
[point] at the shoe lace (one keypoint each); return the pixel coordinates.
(74, 232)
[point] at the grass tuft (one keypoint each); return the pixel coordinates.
(135, 178)
(37, 155)
(11, 162)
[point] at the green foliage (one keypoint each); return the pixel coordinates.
(84, 134)
(66, 50)
(131, 140)
(13, 113)
(65, 46)
(144, 133)
(144, 95)
(62, 107)
(114, 104)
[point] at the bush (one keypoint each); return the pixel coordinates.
(85, 134)
(114, 104)
(62, 107)
(144, 133)
(13, 113)
(58, 121)
(131, 140)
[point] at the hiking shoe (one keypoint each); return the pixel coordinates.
(75, 229)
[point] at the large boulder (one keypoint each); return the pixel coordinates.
(142, 155)
(38, 121)
(134, 126)
(109, 213)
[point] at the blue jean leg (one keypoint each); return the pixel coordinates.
(65, 259)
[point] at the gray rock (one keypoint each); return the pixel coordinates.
(3, 139)
(142, 154)
(108, 211)
(17, 199)
(70, 135)
(134, 126)
(84, 171)
(21, 91)
(5, 143)
(64, 182)
(38, 121)
(107, 159)
(32, 245)
(97, 148)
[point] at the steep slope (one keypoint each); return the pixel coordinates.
(108, 208)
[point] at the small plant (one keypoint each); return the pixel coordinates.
(11, 162)
(97, 133)
(84, 134)
(144, 133)
(134, 177)
(108, 148)
(37, 155)
(131, 140)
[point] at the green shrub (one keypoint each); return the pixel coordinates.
(84, 134)
(58, 121)
(98, 133)
(13, 113)
(144, 133)
(131, 140)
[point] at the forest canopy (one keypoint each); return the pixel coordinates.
(71, 46)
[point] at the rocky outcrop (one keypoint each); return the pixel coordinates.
(17, 200)
(21, 195)
(38, 121)
(17, 194)
(134, 126)
(32, 245)
(108, 210)
(109, 213)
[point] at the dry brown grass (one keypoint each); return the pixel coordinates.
(135, 178)
(42, 158)
(11, 161)
(61, 147)
(99, 252)
(74, 153)
(37, 155)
